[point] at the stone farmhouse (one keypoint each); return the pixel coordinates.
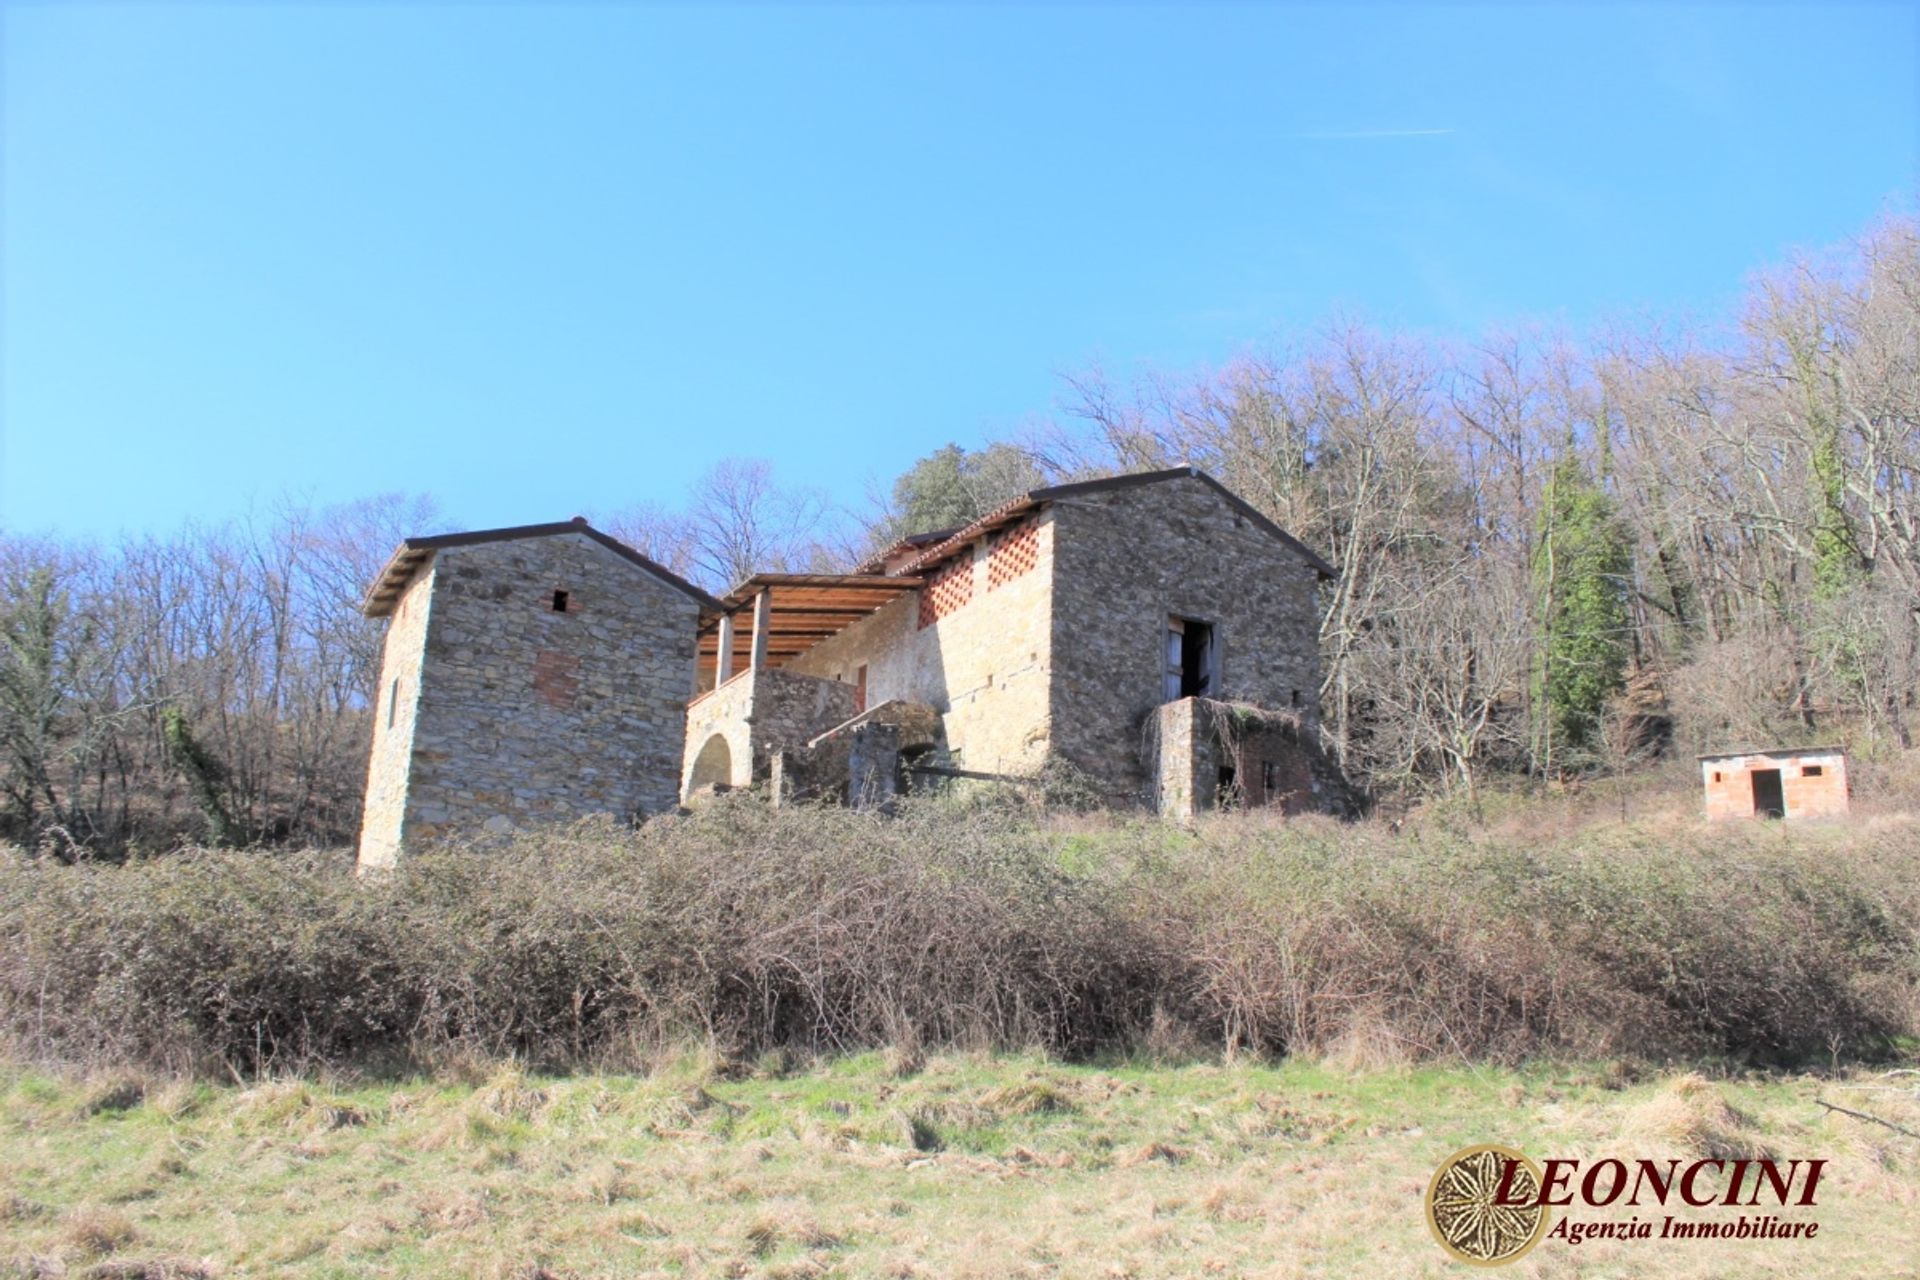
(1152, 635)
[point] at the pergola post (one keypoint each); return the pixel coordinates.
(762, 624)
(724, 670)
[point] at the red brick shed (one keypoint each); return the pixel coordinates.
(1786, 782)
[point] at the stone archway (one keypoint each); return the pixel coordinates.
(712, 767)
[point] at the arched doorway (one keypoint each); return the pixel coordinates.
(713, 767)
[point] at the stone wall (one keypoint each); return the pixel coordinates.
(531, 714)
(394, 714)
(1128, 560)
(757, 714)
(1184, 758)
(984, 665)
(790, 708)
(719, 714)
(858, 762)
(1272, 759)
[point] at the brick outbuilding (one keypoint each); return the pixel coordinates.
(1784, 782)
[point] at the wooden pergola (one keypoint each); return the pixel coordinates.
(790, 613)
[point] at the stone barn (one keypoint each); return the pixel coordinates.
(1788, 782)
(530, 674)
(1153, 636)
(1062, 628)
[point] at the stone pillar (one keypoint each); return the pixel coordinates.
(762, 623)
(725, 667)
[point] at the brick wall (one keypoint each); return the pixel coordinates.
(1813, 784)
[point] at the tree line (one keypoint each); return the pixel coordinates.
(1555, 556)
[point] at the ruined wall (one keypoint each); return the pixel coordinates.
(983, 663)
(1813, 784)
(759, 713)
(1127, 560)
(1273, 765)
(790, 708)
(1185, 760)
(530, 714)
(858, 762)
(396, 706)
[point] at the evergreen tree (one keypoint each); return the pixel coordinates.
(1582, 564)
(204, 774)
(953, 486)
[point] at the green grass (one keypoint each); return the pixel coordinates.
(867, 1166)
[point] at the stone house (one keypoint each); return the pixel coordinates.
(530, 674)
(1784, 782)
(1154, 633)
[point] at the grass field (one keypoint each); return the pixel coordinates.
(882, 1166)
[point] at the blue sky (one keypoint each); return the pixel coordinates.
(542, 260)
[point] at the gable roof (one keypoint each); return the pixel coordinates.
(1773, 751)
(412, 553)
(1017, 508)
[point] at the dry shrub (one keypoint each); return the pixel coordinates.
(746, 931)
(150, 1269)
(92, 1231)
(1689, 1115)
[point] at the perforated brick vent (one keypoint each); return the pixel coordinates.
(1014, 552)
(947, 590)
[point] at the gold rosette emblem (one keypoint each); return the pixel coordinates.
(1464, 1209)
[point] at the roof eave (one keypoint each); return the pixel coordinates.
(1034, 498)
(391, 582)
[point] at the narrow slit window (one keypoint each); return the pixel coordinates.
(1716, 775)
(393, 701)
(559, 602)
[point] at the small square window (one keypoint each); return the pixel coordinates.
(1812, 771)
(559, 602)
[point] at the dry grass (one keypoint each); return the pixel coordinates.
(1494, 936)
(1041, 1169)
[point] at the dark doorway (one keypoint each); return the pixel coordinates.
(1768, 800)
(1189, 659)
(1227, 794)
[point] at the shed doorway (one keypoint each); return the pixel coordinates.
(1769, 801)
